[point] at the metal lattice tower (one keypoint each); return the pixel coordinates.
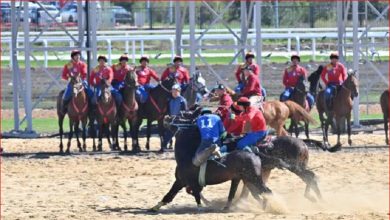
(195, 39)
(361, 43)
(22, 91)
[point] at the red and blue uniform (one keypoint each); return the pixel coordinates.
(254, 125)
(333, 76)
(144, 75)
(240, 76)
(104, 72)
(182, 76)
(252, 86)
(75, 69)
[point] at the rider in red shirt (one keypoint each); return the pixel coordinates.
(144, 75)
(225, 101)
(240, 76)
(103, 71)
(291, 76)
(334, 74)
(74, 68)
(254, 124)
(252, 86)
(182, 76)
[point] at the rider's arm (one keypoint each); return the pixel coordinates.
(165, 74)
(323, 75)
(183, 105)
(65, 72)
(153, 74)
(343, 73)
(110, 75)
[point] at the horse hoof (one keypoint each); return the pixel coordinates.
(125, 148)
(350, 142)
(226, 209)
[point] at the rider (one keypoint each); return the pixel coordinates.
(252, 86)
(211, 132)
(291, 77)
(103, 71)
(254, 124)
(120, 70)
(333, 75)
(240, 76)
(145, 74)
(181, 73)
(225, 101)
(176, 105)
(74, 67)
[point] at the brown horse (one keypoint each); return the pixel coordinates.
(344, 97)
(77, 112)
(128, 109)
(105, 115)
(385, 109)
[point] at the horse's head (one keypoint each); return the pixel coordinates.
(314, 78)
(77, 84)
(352, 83)
(168, 83)
(130, 80)
(198, 83)
(105, 90)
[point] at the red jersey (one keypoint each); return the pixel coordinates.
(99, 73)
(224, 104)
(254, 66)
(252, 86)
(233, 126)
(74, 68)
(120, 71)
(255, 118)
(334, 74)
(145, 74)
(292, 75)
(181, 75)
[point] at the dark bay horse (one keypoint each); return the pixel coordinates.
(344, 97)
(105, 115)
(314, 80)
(385, 110)
(299, 96)
(77, 112)
(128, 110)
(154, 109)
(237, 166)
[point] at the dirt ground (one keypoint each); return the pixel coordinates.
(355, 185)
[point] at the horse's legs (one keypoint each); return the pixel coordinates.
(265, 173)
(338, 129)
(61, 126)
(307, 130)
(232, 192)
(101, 130)
(176, 187)
(70, 135)
(148, 133)
(161, 131)
(310, 179)
(257, 188)
(109, 134)
(349, 129)
(135, 125)
(77, 130)
(124, 135)
(84, 135)
(386, 125)
(196, 193)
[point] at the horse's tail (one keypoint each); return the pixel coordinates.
(298, 113)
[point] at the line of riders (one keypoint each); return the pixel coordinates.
(247, 121)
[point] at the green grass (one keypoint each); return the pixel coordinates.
(210, 60)
(50, 125)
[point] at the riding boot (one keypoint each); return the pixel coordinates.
(202, 156)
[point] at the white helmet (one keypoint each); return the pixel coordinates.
(176, 87)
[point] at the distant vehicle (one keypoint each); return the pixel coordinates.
(5, 12)
(39, 16)
(121, 15)
(69, 13)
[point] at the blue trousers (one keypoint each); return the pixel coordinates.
(68, 91)
(286, 95)
(240, 87)
(250, 139)
(329, 92)
(143, 92)
(114, 92)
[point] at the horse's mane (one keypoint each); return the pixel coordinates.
(187, 141)
(314, 79)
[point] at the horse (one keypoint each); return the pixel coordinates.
(154, 109)
(77, 112)
(299, 96)
(314, 80)
(236, 166)
(344, 97)
(106, 115)
(384, 100)
(196, 87)
(128, 110)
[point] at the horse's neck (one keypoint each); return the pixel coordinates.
(80, 98)
(129, 95)
(343, 94)
(159, 92)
